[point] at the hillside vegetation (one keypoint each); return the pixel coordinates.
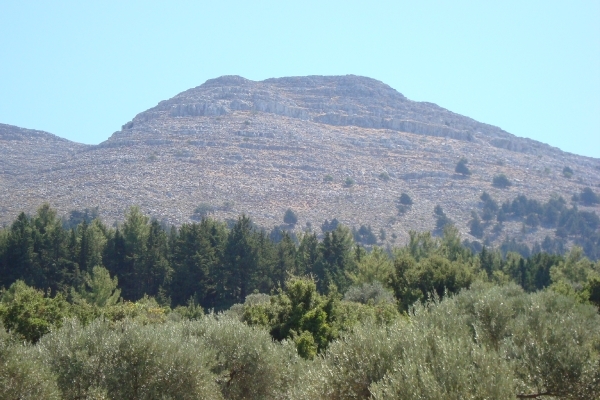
(211, 310)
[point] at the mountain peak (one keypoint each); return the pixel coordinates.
(345, 100)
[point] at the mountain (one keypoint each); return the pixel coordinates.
(342, 147)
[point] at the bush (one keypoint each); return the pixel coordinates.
(476, 228)
(364, 235)
(290, 217)
(352, 363)
(461, 167)
(249, 365)
(439, 358)
(405, 199)
(442, 220)
(27, 313)
(130, 361)
(349, 182)
(22, 376)
(369, 293)
(328, 178)
(384, 176)
(501, 181)
(588, 197)
(567, 172)
(327, 226)
(202, 211)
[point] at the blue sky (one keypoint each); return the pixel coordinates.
(81, 69)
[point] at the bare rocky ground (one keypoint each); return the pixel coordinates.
(261, 147)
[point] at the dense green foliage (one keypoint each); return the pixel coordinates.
(96, 312)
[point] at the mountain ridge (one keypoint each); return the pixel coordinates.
(259, 147)
(393, 110)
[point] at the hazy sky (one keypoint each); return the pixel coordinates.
(81, 69)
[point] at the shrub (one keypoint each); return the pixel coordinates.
(364, 235)
(202, 211)
(405, 199)
(290, 217)
(369, 293)
(349, 182)
(22, 376)
(440, 360)
(588, 197)
(327, 226)
(442, 220)
(461, 167)
(384, 176)
(404, 203)
(328, 178)
(476, 228)
(351, 364)
(249, 365)
(501, 181)
(130, 361)
(567, 172)
(29, 314)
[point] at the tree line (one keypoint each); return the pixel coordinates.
(90, 311)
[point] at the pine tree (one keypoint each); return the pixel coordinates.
(241, 261)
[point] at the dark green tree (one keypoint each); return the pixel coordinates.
(335, 260)
(501, 181)
(135, 232)
(290, 217)
(286, 260)
(476, 228)
(241, 261)
(308, 254)
(588, 197)
(192, 260)
(461, 167)
(441, 218)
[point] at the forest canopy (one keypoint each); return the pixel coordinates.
(227, 312)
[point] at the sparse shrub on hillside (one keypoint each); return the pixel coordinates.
(349, 182)
(461, 167)
(405, 199)
(567, 172)
(76, 217)
(588, 197)
(328, 178)
(404, 203)
(290, 217)
(202, 211)
(490, 207)
(441, 218)
(501, 181)
(384, 176)
(476, 228)
(327, 226)
(364, 235)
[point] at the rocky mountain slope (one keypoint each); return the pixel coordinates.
(323, 146)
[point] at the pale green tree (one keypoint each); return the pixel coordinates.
(375, 266)
(98, 289)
